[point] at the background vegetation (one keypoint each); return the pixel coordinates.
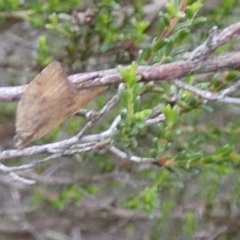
(192, 189)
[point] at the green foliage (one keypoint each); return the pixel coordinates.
(191, 140)
(132, 115)
(224, 8)
(174, 30)
(152, 197)
(72, 193)
(42, 55)
(111, 31)
(10, 5)
(6, 112)
(166, 131)
(147, 200)
(166, 209)
(190, 225)
(81, 40)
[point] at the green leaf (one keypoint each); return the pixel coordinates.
(226, 150)
(143, 114)
(171, 114)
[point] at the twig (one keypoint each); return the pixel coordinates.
(16, 177)
(11, 171)
(69, 146)
(119, 153)
(24, 167)
(87, 142)
(83, 148)
(110, 104)
(214, 41)
(207, 95)
(86, 113)
(231, 89)
(156, 119)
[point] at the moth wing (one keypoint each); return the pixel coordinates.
(47, 102)
(40, 102)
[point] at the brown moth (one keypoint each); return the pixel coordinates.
(47, 102)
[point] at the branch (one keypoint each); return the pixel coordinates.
(94, 117)
(158, 72)
(214, 41)
(122, 155)
(207, 95)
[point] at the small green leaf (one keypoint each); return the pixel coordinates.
(226, 150)
(143, 114)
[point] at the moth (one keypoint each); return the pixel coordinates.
(47, 102)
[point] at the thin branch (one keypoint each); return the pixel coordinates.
(156, 119)
(11, 171)
(16, 177)
(9, 94)
(70, 146)
(207, 95)
(86, 113)
(122, 155)
(24, 167)
(83, 148)
(87, 143)
(159, 71)
(231, 89)
(109, 105)
(214, 41)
